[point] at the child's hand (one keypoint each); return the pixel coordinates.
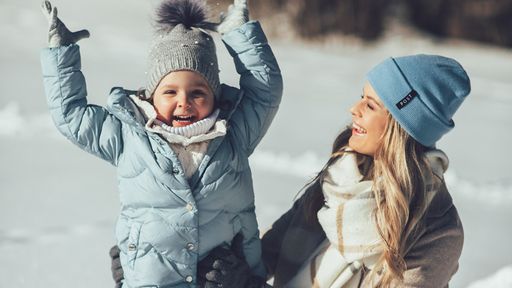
(59, 34)
(237, 15)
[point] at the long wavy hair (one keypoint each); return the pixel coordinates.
(398, 170)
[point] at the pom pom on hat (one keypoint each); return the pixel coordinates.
(422, 92)
(188, 13)
(182, 43)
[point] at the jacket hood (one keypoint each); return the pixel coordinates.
(440, 200)
(438, 161)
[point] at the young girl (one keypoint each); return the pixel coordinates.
(379, 213)
(181, 146)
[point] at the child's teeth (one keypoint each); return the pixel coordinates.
(181, 118)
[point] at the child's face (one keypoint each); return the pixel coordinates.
(369, 120)
(182, 98)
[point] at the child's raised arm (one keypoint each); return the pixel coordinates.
(90, 127)
(260, 76)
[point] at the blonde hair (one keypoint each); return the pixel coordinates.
(400, 190)
(398, 171)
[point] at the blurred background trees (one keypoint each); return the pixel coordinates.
(488, 21)
(481, 20)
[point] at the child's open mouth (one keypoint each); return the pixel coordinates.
(182, 120)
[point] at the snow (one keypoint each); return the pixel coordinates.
(10, 119)
(501, 279)
(58, 205)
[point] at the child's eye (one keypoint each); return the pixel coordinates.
(198, 93)
(170, 92)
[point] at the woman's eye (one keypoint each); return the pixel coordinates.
(170, 92)
(370, 106)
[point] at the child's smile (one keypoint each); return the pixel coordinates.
(182, 120)
(182, 98)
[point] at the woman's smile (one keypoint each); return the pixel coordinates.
(358, 130)
(369, 120)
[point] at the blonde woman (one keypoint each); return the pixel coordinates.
(379, 213)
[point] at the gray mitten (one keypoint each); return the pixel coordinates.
(115, 266)
(237, 15)
(59, 34)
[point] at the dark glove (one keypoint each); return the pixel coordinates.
(226, 267)
(115, 267)
(59, 34)
(237, 15)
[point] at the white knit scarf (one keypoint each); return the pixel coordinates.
(347, 220)
(200, 131)
(197, 128)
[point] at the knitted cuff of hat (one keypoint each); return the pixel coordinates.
(197, 128)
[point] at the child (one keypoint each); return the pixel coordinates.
(379, 213)
(181, 146)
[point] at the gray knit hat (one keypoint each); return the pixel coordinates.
(182, 43)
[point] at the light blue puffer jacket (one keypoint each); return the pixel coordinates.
(167, 224)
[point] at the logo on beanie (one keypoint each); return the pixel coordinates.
(406, 100)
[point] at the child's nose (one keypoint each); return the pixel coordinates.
(182, 99)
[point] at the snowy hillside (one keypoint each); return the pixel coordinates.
(58, 205)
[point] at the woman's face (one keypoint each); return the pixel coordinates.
(182, 98)
(369, 120)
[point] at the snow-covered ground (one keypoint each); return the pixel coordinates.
(58, 204)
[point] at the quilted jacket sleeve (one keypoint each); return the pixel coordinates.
(260, 81)
(90, 127)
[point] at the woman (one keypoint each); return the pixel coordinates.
(379, 213)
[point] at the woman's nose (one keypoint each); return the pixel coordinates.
(354, 110)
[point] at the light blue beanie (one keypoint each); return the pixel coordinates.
(422, 92)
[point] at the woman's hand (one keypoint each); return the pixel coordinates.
(237, 15)
(59, 34)
(226, 267)
(115, 266)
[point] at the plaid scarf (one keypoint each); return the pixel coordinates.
(347, 219)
